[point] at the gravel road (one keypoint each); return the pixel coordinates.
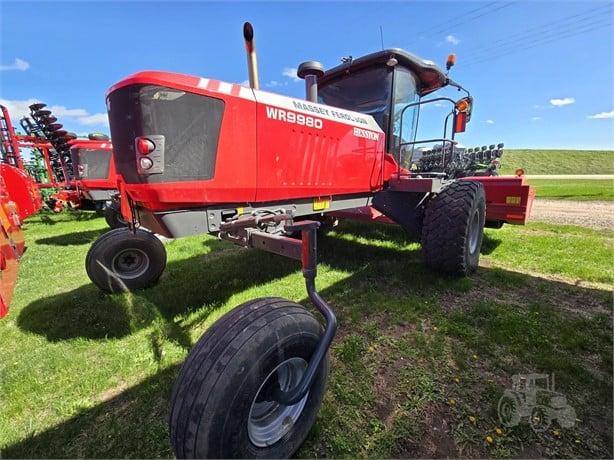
(592, 214)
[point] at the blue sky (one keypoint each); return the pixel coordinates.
(541, 72)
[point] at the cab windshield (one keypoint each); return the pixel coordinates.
(377, 91)
(366, 91)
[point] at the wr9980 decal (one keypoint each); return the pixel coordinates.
(288, 116)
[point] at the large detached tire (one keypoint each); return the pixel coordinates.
(222, 404)
(120, 260)
(454, 228)
(114, 218)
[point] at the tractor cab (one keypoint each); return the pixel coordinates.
(389, 85)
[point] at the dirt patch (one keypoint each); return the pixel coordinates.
(592, 214)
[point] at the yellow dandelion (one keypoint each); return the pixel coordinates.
(435, 328)
(456, 379)
(556, 432)
(472, 419)
(371, 349)
(489, 439)
(475, 356)
(452, 401)
(499, 431)
(578, 441)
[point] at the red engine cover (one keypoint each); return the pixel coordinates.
(270, 148)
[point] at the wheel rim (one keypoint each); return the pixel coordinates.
(268, 420)
(474, 232)
(130, 263)
(506, 411)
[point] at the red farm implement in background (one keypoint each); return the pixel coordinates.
(78, 173)
(19, 199)
(200, 156)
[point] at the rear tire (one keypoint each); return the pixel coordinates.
(509, 410)
(120, 260)
(221, 403)
(454, 228)
(114, 217)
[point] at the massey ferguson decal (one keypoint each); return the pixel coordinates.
(288, 116)
(313, 115)
(330, 113)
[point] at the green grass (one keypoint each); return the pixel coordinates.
(554, 250)
(558, 161)
(573, 189)
(418, 364)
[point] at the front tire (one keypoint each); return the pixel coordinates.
(120, 260)
(454, 228)
(222, 405)
(540, 419)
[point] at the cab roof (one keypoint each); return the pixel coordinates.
(429, 76)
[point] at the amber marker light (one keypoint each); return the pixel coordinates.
(462, 105)
(451, 61)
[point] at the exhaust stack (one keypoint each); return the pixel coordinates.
(310, 71)
(250, 47)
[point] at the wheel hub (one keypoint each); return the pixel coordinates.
(474, 233)
(268, 420)
(131, 263)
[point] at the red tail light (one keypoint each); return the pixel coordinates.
(144, 146)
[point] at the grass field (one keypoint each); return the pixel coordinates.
(419, 362)
(576, 189)
(558, 161)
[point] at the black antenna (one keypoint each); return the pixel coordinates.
(381, 36)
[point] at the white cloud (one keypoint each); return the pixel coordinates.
(61, 111)
(490, 122)
(602, 115)
(562, 102)
(536, 118)
(290, 72)
(452, 39)
(19, 109)
(97, 119)
(275, 84)
(19, 64)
